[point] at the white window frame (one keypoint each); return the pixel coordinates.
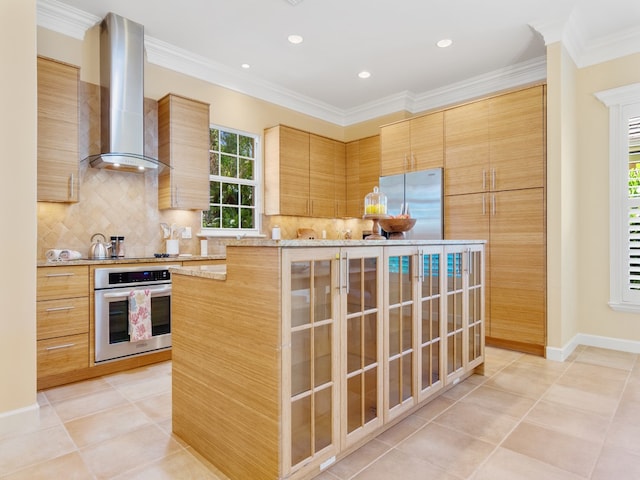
(259, 192)
(623, 104)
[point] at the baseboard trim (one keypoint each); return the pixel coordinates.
(562, 353)
(13, 420)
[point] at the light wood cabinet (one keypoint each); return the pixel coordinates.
(495, 190)
(326, 177)
(362, 172)
(286, 171)
(304, 174)
(58, 113)
(62, 316)
(513, 223)
(496, 144)
(345, 341)
(412, 145)
(183, 144)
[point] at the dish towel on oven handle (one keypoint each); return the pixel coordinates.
(139, 315)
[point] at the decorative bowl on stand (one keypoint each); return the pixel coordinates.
(396, 227)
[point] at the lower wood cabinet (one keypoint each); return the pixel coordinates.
(331, 346)
(62, 317)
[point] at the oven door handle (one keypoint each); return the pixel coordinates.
(126, 294)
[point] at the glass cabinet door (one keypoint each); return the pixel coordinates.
(309, 319)
(361, 285)
(455, 313)
(400, 328)
(430, 315)
(475, 306)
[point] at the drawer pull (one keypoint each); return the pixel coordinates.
(66, 274)
(58, 309)
(58, 347)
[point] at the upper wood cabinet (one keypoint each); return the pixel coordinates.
(58, 113)
(362, 172)
(412, 145)
(496, 144)
(183, 144)
(304, 174)
(326, 177)
(286, 178)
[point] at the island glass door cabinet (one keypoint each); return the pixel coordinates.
(413, 331)
(332, 325)
(464, 342)
(362, 317)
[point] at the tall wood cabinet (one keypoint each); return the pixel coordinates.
(362, 172)
(495, 190)
(58, 113)
(412, 145)
(183, 144)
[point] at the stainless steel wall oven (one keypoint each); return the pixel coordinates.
(112, 289)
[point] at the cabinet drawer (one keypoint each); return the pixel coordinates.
(63, 354)
(57, 318)
(62, 282)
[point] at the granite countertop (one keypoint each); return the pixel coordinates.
(115, 261)
(214, 272)
(250, 242)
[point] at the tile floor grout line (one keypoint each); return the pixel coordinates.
(518, 423)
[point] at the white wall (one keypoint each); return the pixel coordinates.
(17, 207)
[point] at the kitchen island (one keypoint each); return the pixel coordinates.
(298, 352)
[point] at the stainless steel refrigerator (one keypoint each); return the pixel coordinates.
(422, 191)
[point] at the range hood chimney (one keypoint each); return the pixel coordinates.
(122, 97)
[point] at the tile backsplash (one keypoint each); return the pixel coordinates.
(113, 203)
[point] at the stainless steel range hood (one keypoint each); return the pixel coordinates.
(122, 97)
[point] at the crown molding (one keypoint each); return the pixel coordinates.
(62, 18)
(72, 22)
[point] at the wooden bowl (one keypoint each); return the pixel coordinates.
(393, 225)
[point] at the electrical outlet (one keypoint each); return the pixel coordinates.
(186, 233)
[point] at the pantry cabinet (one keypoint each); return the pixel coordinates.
(58, 148)
(495, 190)
(412, 145)
(183, 144)
(62, 318)
(362, 172)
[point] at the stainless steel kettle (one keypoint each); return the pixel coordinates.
(99, 250)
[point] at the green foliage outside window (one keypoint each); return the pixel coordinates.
(232, 180)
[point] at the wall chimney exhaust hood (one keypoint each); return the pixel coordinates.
(122, 97)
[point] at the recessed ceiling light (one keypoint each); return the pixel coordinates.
(364, 74)
(444, 43)
(245, 66)
(295, 39)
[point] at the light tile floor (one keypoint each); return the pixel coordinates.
(526, 418)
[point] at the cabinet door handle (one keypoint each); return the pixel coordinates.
(72, 187)
(65, 274)
(58, 347)
(493, 179)
(59, 309)
(493, 205)
(420, 266)
(346, 271)
(484, 179)
(484, 204)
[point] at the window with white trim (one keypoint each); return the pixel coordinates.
(235, 183)
(624, 196)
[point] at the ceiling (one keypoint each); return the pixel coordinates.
(497, 44)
